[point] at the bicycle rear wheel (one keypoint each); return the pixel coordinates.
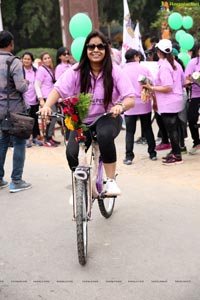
(81, 220)
(106, 205)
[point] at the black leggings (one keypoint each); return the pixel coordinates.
(193, 115)
(170, 121)
(107, 129)
(32, 113)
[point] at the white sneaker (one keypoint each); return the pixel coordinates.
(111, 188)
(71, 199)
(194, 149)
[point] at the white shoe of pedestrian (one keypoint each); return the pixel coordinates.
(194, 150)
(71, 199)
(111, 188)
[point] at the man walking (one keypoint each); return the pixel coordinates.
(17, 86)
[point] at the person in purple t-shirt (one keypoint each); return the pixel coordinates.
(44, 83)
(30, 96)
(63, 61)
(112, 91)
(168, 90)
(142, 109)
(194, 102)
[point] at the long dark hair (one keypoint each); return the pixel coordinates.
(42, 56)
(195, 52)
(106, 68)
(170, 58)
(60, 51)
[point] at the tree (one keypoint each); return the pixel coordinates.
(38, 22)
(193, 11)
(143, 11)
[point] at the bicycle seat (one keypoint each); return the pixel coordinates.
(107, 114)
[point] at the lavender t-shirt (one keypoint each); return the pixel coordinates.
(133, 70)
(30, 96)
(169, 102)
(60, 69)
(193, 66)
(45, 79)
(69, 84)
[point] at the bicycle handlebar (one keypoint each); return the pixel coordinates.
(59, 115)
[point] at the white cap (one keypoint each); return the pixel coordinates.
(164, 45)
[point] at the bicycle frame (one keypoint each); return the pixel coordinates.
(87, 171)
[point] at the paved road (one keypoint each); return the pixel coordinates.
(148, 250)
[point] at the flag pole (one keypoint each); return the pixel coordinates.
(1, 23)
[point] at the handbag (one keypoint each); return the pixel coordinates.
(16, 124)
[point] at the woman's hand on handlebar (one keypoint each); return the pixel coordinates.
(45, 111)
(116, 110)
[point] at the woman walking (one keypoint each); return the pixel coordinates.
(142, 109)
(168, 90)
(194, 101)
(30, 96)
(44, 83)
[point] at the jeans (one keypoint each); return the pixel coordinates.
(19, 147)
(170, 121)
(146, 130)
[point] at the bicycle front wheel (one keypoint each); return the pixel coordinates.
(106, 204)
(81, 220)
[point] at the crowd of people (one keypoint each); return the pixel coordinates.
(130, 89)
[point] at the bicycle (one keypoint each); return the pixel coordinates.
(88, 180)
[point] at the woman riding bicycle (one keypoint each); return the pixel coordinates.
(111, 91)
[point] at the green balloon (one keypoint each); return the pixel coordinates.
(77, 47)
(186, 41)
(80, 25)
(175, 21)
(187, 22)
(184, 57)
(178, 34)
(183, 50)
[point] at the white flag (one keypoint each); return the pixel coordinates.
(1, 23)
(139, 40)
(131, 37)
(128, 32)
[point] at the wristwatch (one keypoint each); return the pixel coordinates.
(123, 106)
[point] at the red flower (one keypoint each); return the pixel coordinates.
(74, 100)
(66, 101)
(75, 118)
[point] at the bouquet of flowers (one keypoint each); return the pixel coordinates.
(146, 93)
(196, 77)
(76, 109)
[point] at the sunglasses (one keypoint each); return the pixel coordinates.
(65, 54)
(98, 46)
